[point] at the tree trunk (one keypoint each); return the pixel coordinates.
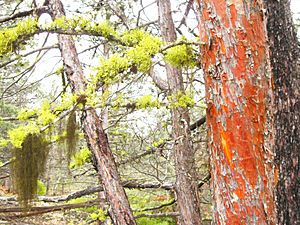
(121, 213)
(186, 185)
(285, 56)
(238, 94)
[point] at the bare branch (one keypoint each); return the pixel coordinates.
(37, 11)
(157, 207)
(18, 212)
(168, 214)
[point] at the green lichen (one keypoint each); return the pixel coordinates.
(18, 135)
(132, 37)
(181, 100)
(41, 188)
(80, 24)
(99, 215)
(181, 56)
(146, 102)
(108, 69)
(25, 114)
(45, 114)
(10, 38)
(4, 143)
(80, 158)
(141, 54)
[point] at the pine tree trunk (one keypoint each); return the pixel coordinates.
(186, 186)
(238, 94)
(285, 61)
(120, 213)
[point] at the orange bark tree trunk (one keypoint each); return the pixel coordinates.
(96, 138)
(285, 56)
(238, 94)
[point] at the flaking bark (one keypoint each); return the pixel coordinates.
(238, 94)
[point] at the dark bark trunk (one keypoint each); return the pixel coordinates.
(121, 213)
(285, 56)
(186, 186)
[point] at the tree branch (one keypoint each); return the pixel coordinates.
(29, 12)
(18, 212)
(168, 214)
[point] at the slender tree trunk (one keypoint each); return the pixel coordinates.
(186, 186)
(120, 213)
(238, 94)
(285, 61)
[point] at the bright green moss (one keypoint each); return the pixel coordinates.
(141, 54)
(41, 188)
(133, 37)
(45, 115)
(10, 36)
(25, 114)
(109, 68)
(80, 24)
(181, 100)
(147, 101)
(18, 135)
(98, 215)
(181, 56)
(80, 158)
(4, 142)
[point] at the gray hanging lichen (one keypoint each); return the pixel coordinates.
(27, 166)
(71, 135)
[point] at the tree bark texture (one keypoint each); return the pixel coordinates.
(285, 56)
(186, 185)
(120, 213)
(238, 94)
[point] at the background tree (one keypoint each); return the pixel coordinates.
(186, 185)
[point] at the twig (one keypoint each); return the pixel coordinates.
(168, 214)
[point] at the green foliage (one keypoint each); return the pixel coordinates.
(81, 24)
(41, 188)
(19, 134)
(181, 100)
(4, 142)
(141, 54)
(45, 115)
(108, 69)
(181, 56)
(25, 114)
(141, 199)
(80, 158)
(9, 37)
(147, 101)
(133, 37)
(28, 164)
(67, 101)
(155, 221)
(98, 215)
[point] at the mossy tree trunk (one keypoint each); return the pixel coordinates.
(120, 212)
(186, 186)
(239, 95)
(285, 56)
